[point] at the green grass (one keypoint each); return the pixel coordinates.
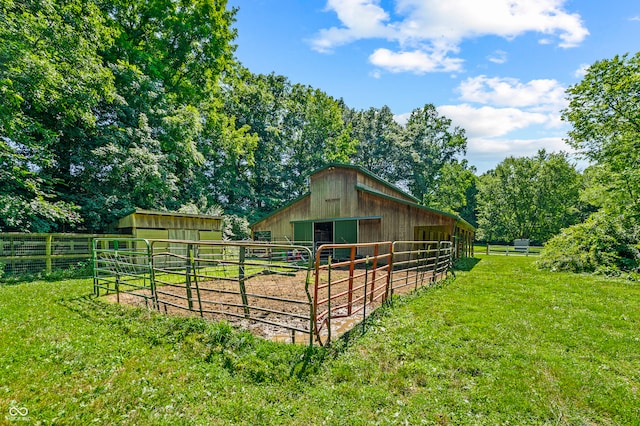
(502, 343)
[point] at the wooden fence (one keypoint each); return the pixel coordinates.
(509, 250)
(24, 253)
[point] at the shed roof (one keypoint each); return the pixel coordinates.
(160, 219)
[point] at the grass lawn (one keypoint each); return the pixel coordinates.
(502, 343)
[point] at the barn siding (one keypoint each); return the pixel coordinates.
(400, 220)
(150, 224)
(280, 224)
(331, 194)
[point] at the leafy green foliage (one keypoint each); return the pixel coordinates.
(455, 190)
(235, 228)
(600, 244)
(531, 198)
(51, 78)
(603, 111)
(429, 144)
(114, 105)
(378, 135)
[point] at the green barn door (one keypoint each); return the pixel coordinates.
(345, 232)
(302, 232)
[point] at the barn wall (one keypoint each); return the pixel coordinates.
(331, 193)
(280, 223)
(334, 195)
(398, 220)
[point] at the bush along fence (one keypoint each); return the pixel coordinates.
(282, 292)
(24, 253)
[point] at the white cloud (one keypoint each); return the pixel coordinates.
(635, 18)
(498, 57)
(361, 19)
(416, 61)
(516, 147)
(428, 32)
(402, 119)
(487, 153)
(582, 70)
(543, 94)
(494, 109)
(459, 19)
(490, 122)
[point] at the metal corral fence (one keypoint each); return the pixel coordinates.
(279, 291)
(264, 287)
(346, 291)
(24, 253)
(343, 290)
(123, 266)
(416, 264)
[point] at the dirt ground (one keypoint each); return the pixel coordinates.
(277, 305)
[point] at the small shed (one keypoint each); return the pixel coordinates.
(348, 204)
(156, 225)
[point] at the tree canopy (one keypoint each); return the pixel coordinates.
(528, 197)
(604, 111)
(113, 105)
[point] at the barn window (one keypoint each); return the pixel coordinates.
(262, 236)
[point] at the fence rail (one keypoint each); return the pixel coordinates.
(24, 253)
(509, 250)
(283, 292)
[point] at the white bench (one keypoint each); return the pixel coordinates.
(521, 246)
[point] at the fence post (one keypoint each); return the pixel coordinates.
(390, 270)
(351, 270)
(436, 268)
(188, 277)
(364, 300)
(47, 253)
(329, 300)
(241, 276)
(376, 252)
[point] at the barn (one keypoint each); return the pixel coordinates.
(348, 204)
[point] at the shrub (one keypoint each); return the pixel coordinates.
(602, 244)
(235, 228)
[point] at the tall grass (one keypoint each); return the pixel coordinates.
(502, 343)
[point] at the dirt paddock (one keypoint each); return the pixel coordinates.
(278, 306)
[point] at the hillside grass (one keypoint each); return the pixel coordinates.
(502, 343)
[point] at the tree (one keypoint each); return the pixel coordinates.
(604, 111)
(116, 104)
(428, 142)
(261, 103)
(378, 149)
(317, 133)
(51, 79)
(532, 198)
(455, 190)
(600, 244)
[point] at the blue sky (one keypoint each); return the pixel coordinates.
(497, 68)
